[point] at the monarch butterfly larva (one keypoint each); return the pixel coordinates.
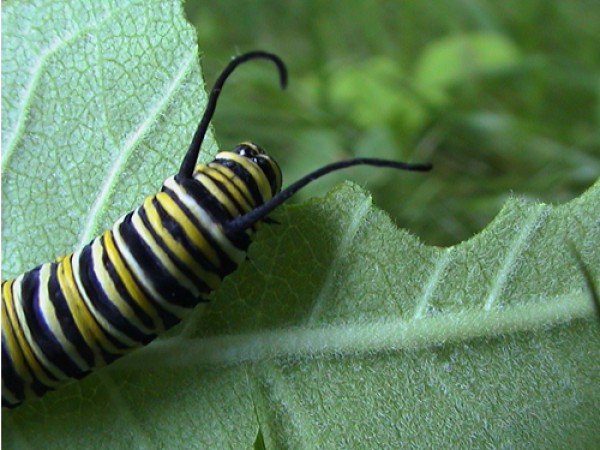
(62, 319)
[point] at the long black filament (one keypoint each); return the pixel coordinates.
(261, 212)
(191, 156)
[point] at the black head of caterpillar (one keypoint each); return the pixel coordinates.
(64, 318)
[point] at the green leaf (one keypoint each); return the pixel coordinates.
(341, 331)
(462, 58)
(376, 92)
(99, 100)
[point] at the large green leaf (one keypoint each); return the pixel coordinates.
(99, 100)
(340, 331)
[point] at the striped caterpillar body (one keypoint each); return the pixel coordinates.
(62, 319)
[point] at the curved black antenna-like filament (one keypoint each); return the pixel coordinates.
(260, 213)
(191, 156)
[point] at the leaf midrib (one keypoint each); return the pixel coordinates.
(360, 338)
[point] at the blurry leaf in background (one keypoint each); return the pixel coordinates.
(458, 59)
(377, 92)
(501, 96)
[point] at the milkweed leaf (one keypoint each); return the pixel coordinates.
(98, 99)
(341, 331)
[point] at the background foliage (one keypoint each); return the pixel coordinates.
(502, 96)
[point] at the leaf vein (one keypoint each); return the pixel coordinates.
(342, 250)
(38, 65)
(433, 282)
(519, 245)
(107, 187)
(359, 338)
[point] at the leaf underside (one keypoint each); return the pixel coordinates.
(341, 330)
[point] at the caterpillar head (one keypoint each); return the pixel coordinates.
(251, 163)
(267, 165)
(257, 167)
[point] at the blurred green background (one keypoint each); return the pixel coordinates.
(503, 98)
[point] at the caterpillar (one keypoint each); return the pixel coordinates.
(62, 319)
